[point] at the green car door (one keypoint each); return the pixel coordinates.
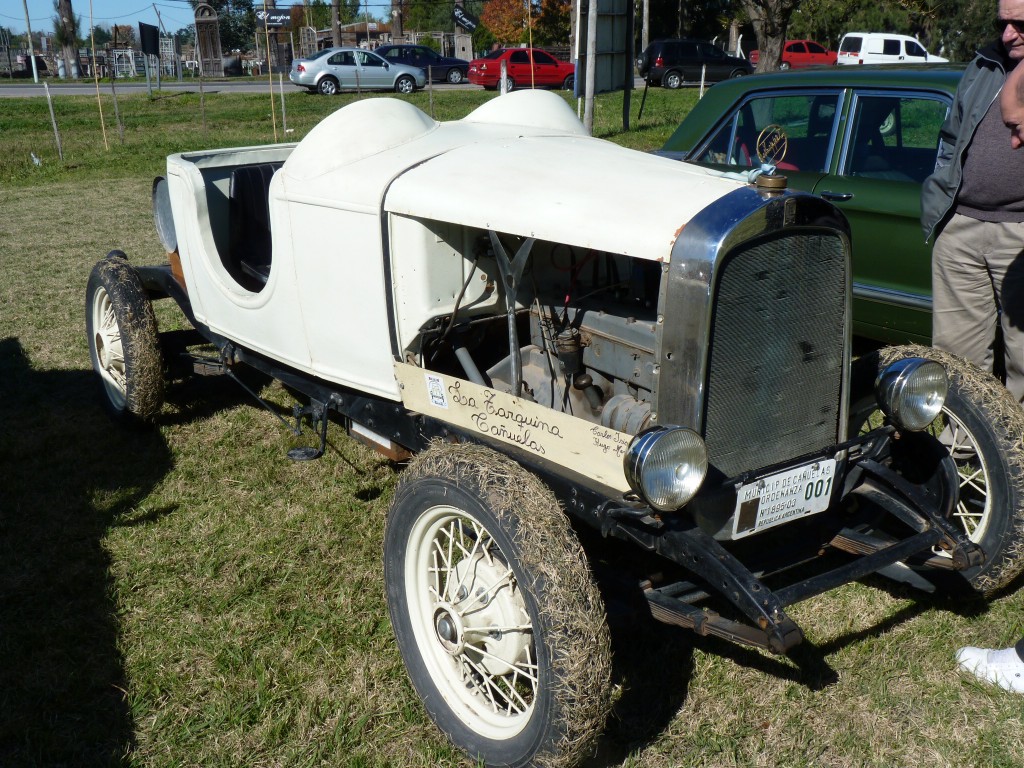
(889, 142)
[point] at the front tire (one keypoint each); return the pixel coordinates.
(501, 628)
(455, 76)
(123, 342)
(328, 86)
(981, 427)
(405, 84)
(672, 80)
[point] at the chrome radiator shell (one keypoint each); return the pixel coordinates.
(754, 320)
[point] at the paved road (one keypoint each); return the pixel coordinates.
(60, 88)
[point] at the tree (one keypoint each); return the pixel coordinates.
(770, 19)
(65, 32)
(123, 36)
(506, 19)
(101, 35)
(185, 36)
(552, 23)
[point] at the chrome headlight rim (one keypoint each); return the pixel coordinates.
(666, 466)
(912, 391)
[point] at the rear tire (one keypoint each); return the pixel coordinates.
(738, 73)
(123, 342)
(455, 76)
(501, 628)
(672, 79)
(569, 83)
(783, 66)
(986, 442)
(328, 86)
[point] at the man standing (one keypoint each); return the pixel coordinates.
(975, 202)
(1003, 667)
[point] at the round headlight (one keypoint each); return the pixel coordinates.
(911, 392)
(666, 466)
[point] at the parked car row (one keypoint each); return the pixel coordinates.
(404, 68)
(671, 63)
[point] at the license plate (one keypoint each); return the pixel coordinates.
(783, 497)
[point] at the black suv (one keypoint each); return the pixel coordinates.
(433, 64)
(673, 62)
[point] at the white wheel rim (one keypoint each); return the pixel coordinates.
(470, 623)
(975, 504)
(106, 340)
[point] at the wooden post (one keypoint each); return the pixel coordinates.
(591, 73)
(270, 70)
(96, 79)
(284, 115)
(53, 119)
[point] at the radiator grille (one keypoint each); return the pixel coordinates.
(776, 355)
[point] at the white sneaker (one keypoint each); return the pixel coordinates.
(1003, 667)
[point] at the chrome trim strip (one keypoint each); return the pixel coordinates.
(892, 297)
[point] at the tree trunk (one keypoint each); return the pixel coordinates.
(69, 50)
(770, 19)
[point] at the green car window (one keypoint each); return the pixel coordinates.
(894, 138)
(807, 121)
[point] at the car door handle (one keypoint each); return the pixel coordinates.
(837, 197)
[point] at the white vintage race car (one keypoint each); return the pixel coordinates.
(674, 370)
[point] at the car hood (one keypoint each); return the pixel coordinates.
(505, 167)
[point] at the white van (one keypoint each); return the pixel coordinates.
(883, 48)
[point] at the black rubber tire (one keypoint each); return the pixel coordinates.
(455, 76)
(738, 73)
(989, 458)
(123, 343)
(569, 83)
(672, 79)
(328, 87)
(510, 83)
(783, 66)
(405, 85)
(520, 551)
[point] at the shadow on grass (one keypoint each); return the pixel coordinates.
(69, 475)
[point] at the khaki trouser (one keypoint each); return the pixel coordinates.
(977, 282)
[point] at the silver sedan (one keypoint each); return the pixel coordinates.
(333, 69)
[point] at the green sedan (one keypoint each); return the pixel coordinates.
(862, 137)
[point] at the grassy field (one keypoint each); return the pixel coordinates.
(187, 596)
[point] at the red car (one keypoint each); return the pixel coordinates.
(526, 68)
(800, 53)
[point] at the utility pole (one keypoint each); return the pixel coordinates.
(31, 48)
(647, 20)
(336, 22)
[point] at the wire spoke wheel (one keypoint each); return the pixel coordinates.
(123, 341)
(106, 340)
(981, 430)
(499, 623)
(470, 615)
